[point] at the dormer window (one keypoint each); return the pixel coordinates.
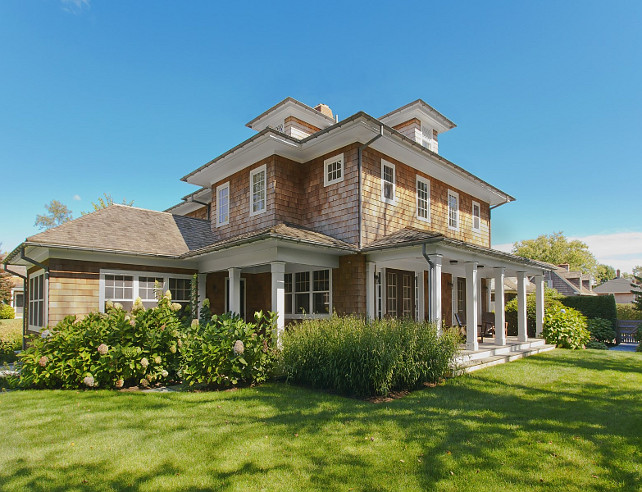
(476, 217)
(387, 182)
(453, 210)
(426, 136)
(333, 170)
(258, 183)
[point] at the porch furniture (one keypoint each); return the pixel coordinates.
(485, 329)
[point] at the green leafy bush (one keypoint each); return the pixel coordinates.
(601, 330)
(10, 340)
(7, 312)
(628, 312)
(227, 351)
(551, 298)
(353, 356)
(594, 306)
(108, 350)
(565, 328)
(593, 344)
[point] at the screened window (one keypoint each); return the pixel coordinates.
(387, 181)
(257, 190)
(333, 170)
(476, 217)
(37, 301)
(223, 204)
(423, 199)
(307, 293)
(453, 210)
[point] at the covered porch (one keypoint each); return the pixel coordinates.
(447, 282)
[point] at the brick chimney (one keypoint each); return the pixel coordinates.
(324, 109)
(617, 273)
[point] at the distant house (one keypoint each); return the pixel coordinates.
(568, 282)
(620, 288)
(17, 300)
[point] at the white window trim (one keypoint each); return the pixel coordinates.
(472, 215)
(258, 170)
(311, 293)
(332, 160)
(45, 300)
(392, 201)
(218, 204)
(456, 195)
(136, 274)
(421, 179)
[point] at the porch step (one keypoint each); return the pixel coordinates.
(487, 350)
(476, 364)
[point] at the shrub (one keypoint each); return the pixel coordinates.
(594, 306)
(7, 312)
(227, 351)
(10, 340)
(108, 350)
(353, 356)
(593, 344)
(628, 312)
(551, 298)
(565, 327)
(601, 330)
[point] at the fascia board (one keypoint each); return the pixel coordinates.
(278, 116)
(415, 112)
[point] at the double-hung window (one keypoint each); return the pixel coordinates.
(258, 188)
(388, 181)
(37, 300)
(333, 170)
(223, 204)
(423, 199)
(453, 210)
(307, 294)
(476, 217)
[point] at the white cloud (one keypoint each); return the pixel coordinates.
(77, 198)
(75, 6)
(621, 250)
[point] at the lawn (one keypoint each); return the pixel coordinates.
(558, 421)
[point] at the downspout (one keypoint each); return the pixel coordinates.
(24, 291)
(208, 206)
(360, 184)
(431, 267)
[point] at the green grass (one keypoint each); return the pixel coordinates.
(10, 339)
(557, 421)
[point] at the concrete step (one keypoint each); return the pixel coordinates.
(476, 364)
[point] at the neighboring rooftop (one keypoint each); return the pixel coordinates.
(616, 286)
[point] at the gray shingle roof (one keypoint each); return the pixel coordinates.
(616, 286)
(121, 228)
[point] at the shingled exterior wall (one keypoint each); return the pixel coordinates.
(199, 213)
(349, 285)
(381, 219)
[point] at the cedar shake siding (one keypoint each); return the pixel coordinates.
(349, 285)
(200, 213)
(381, 219)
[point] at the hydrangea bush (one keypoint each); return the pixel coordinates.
(107, 350)
(565, 328)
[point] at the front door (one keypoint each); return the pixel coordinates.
(400, 293)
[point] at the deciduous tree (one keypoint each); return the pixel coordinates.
(58, 214)
(104, 202)
(557, 249)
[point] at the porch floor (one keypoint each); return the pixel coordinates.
(490, 354)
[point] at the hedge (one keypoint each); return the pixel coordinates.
(593, 306)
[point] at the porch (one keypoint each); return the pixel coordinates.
(490, 353)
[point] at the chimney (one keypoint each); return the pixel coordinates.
(324, 109)
(564, 266)
(618, 273)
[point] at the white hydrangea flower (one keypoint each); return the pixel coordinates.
(144, 362)
(239, 348)
(164, 373)
(103, 349)
(89, 381)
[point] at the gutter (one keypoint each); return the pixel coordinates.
(24, 312)
(360, 180)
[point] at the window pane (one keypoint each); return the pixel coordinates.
(288, 304)
(150, 288)
(258, 191)
(391, 288)
(422, 199)
(180, 289)
(302, 303)
(303, 282)
(223, 205)
(322, 280)
(288, 283)
(321, 302)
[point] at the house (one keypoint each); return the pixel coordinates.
(568, 282)
(309, 216)
(620, 287)
(16, 301)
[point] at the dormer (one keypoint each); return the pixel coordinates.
(419, 122)
(294, 118)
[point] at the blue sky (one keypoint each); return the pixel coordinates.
(127, 97)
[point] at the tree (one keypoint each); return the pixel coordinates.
(58, 214)
(5, 283)
(104, 202)
(638, 293)
(557, 249)
(604, 273)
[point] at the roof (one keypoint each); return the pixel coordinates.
(288, 232)
(124, 229)
(318, 116)
(616, 286)
(423, 107)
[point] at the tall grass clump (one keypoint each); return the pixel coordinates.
(353, 356)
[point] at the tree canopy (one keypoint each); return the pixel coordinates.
(557, 249)
(604, 273)
(58, 213)
(105, 201)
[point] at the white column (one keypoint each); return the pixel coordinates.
(488, 287)
(278, 298)
(522, 334)
(234, 290)
(371, 303)
(539, 304)
(479, 298)
(435, 291)
(471, 306)
(500, 315)
(421, 304)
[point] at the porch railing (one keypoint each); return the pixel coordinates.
(626, 330)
